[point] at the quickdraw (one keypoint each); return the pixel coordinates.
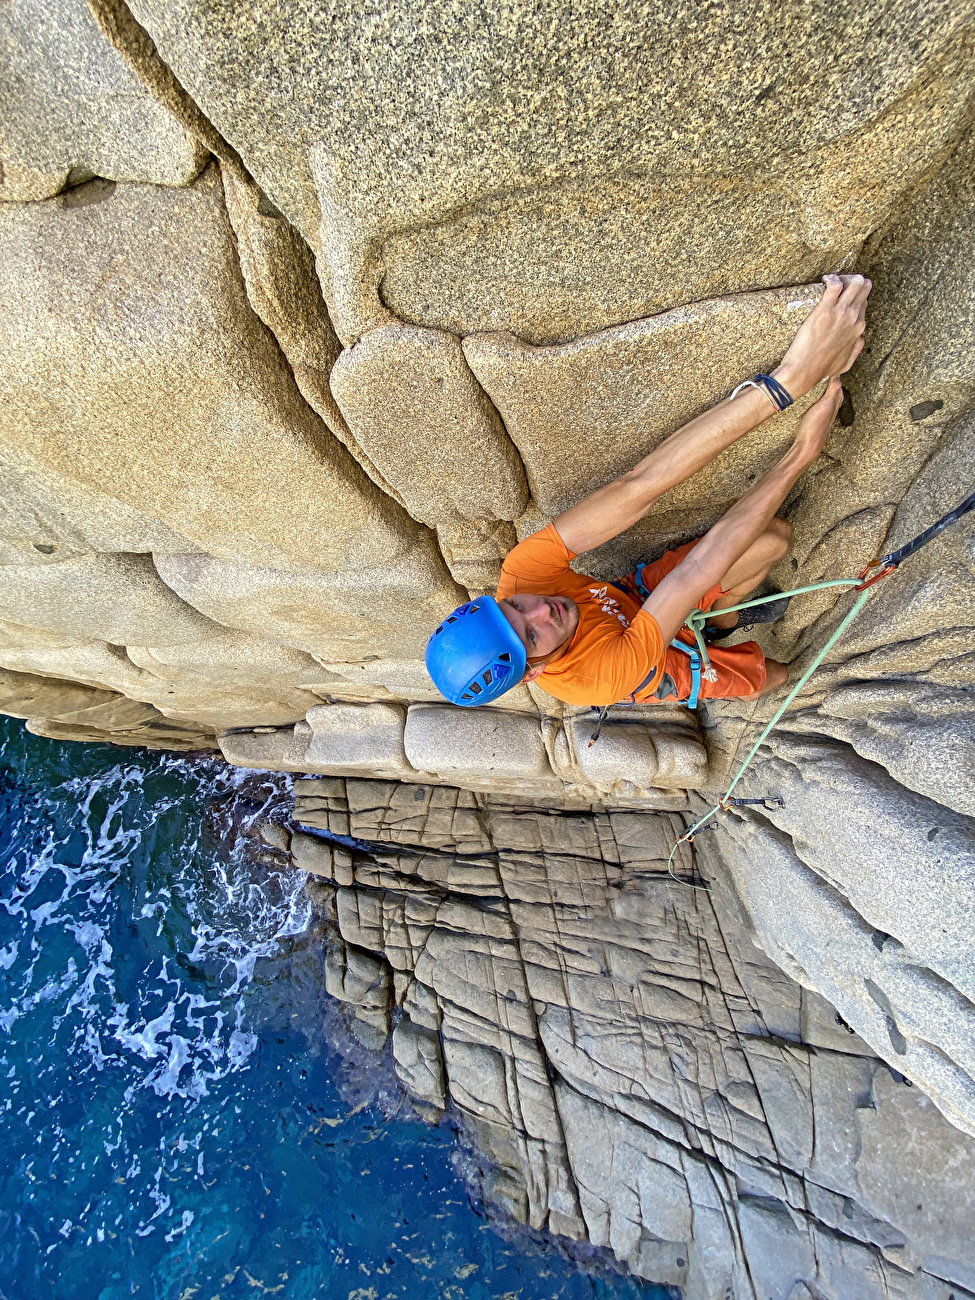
(863, 586)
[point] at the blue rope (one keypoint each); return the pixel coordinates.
(780, 395)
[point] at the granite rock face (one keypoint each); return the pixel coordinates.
(637, 1070)
(305, 315)
(650, 758)
(624, 390)
(66, 711)
(545, 173)
(135, 358)
(410, 388)
(72, 109)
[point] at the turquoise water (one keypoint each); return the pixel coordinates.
(177, 1121)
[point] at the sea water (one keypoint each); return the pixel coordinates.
(177, 1120)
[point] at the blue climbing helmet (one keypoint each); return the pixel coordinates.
(475, 655)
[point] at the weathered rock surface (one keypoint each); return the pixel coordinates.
(135, 360)
(46, 517)
(638, 1071)
(263, 425)
(71, 108)
(646, 760)
(118, 598)
(412, 388)
(624, 390)
(129, 401)
(67, 711)
(911, 392)
(485, 193)
(341, 616)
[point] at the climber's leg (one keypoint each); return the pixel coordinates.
(751, 569)
(776, 675)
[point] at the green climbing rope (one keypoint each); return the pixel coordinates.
(697, 618)
(818, 658)
(885, 566)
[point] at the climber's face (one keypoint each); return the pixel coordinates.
(544, 623)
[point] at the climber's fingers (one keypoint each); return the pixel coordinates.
(857, 349)
(856, 289)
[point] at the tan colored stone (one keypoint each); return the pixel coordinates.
(382, 610)
(67, 711)
(626, 389)
(554, 262)
(267, 751)
(419, 1062)
(115, 598)
(417, 411)
(807, 148)
(348, 739)
(405, 679)
(135, 362)
(23, 695)
(911, 387)
(228, 679)
(71, 108)
(475, 552)
(475, 743)
(317, 856)
(92, 663)
(156, 733)
(134, 43)
(282, 287)
(551, 263)
(46, 517)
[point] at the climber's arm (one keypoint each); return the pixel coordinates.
(827, 343)
(672, 600)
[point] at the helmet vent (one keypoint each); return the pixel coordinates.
(483, 647)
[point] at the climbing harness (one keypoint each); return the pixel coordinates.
(694, 655)
(875, 571)
(699, 660)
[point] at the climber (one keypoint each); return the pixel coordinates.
(589, 642)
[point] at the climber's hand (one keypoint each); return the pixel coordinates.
(830, 338)
(815, 425)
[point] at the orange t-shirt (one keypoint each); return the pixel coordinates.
(617, 644)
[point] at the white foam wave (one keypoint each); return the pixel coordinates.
(220, 910)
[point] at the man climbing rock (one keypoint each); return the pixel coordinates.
(595, 643)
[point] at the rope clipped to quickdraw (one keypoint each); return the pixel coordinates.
(865, 584)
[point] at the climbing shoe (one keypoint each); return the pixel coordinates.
(768, 613)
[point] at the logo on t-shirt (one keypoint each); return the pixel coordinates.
(608, 604)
